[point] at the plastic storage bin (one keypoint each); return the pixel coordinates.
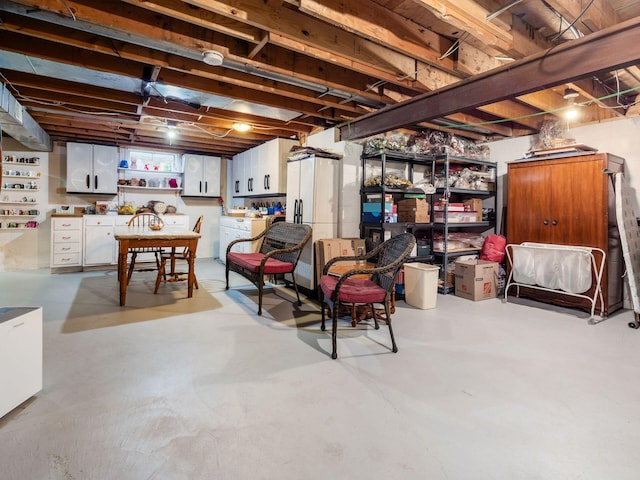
(421, 285)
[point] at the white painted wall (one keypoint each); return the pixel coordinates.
(28, 250)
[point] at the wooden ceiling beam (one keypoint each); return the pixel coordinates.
(471, 17)
(615, 47)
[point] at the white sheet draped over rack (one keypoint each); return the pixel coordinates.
(564, 269)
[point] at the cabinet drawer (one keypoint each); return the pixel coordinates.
(177, 221)
(66, 223)
(66, 248)
(99, 220)
(66, 259)
(71, 236)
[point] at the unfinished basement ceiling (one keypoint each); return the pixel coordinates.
(120, 72)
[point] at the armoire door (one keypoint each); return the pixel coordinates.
(528, 203)
(578, 204)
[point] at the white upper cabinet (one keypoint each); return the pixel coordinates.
(201, 176)
(262, 170)
(92, 168)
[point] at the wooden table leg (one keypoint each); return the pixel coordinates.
(193, 244)
(123, 251)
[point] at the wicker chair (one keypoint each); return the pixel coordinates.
(173, 257)
(143, 220)
(377, 289)
(281, 244)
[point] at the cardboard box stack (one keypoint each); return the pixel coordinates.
(413, 210)
(328, 248)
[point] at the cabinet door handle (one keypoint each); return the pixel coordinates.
(265, 183)
(301, 211)
(200, 186)
(206, 187)
(295, 211)
(88, 181)
(554, 222)
(269, 182)
(545, 222)
(95, 182)
(66, 238)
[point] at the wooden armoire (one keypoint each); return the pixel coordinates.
(568, 201)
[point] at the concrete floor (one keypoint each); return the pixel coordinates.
(478, 390)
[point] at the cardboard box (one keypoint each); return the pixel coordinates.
(328, 248)
(456, 217)
(413, 216)
(413, 203)
(476, 279)
(474, 205)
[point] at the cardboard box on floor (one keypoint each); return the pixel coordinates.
(328, 248)
(476, 279)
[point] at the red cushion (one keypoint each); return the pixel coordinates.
(353, 290)
(251, 261)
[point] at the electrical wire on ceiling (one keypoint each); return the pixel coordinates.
(553, 111)
(454, 47)
(571, 25)
(69, 10)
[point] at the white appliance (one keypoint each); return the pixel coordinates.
(234, 228)
(20, 355)
(313, 197)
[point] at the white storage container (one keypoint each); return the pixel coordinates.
(421, 285)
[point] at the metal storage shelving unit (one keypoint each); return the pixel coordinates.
(458, 179)
(402, 166)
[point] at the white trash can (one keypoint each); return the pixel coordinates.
(421, 285)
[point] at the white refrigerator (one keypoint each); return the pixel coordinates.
(313, 197)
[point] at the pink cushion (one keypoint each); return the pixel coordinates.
(353, 290)
(251, 261)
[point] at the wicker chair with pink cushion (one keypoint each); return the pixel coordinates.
(377, 289)
(280, 247)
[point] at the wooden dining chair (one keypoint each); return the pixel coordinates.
(144, 220)
(176, 260)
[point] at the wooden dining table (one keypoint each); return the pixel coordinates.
(144, 237)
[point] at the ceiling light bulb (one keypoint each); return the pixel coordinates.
(570, 93)
(241, 127)
(571, 113)
(212, 57)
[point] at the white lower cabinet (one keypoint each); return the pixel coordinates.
(89, 241)
(20, 355)
(99, 243)
(66, 242)
(234, 228)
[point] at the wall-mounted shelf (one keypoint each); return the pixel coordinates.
(134, 187)
(161, 172)
(17, 179)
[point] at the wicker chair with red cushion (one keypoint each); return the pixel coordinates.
(280, 247)
(377, 289)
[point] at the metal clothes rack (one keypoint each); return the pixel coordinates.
(596, 258)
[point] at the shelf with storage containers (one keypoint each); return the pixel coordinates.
(393, 198)
(147, 170)
(464, 211)
(19, 187)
